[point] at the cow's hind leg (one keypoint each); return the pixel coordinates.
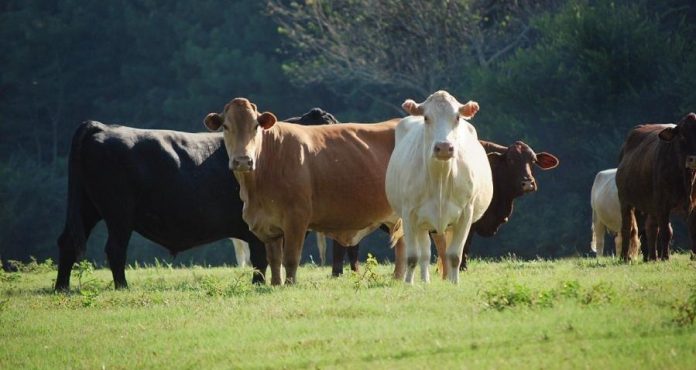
(399, 259)
(440, 241)
(321, 246)
(598, 231)
(258, 259)
(339, 254)
(629, 231)
(71, 246)
(691, 223)
(353, 253)
(664, 236)
(116, 246)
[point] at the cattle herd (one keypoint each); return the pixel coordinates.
(426, 176)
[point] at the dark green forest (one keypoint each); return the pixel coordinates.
(567, 77)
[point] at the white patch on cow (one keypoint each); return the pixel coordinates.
(241, 252)
(434, 194)
(606, 212)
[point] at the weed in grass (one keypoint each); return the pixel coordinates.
(369, 277)
(569, 289)
(599, 293)
(686, 311)
(506, 296)
(33, 266)
(237, 286)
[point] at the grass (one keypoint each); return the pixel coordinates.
(574, 313)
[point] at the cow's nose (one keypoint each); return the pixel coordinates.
(691, 162)
(443, 150)
(242, 163)
(528, 185)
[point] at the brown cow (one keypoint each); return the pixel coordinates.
(328, 178)
(512, 178)
(656, 175)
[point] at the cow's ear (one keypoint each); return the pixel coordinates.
(469, 110)
(412, 108)
(254, 106)
(266, 120)
(668, 134)
(213, 121)
(546, 161)
(494, 158)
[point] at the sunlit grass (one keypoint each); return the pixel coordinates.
(504, 314)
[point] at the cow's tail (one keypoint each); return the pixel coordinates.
(396, 232)
(79, 206)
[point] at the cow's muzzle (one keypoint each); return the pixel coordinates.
(528, 185)
(443, 150)
(691, 162)
(242, 163)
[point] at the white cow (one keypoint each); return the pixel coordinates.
(438, 179)
(606, 212)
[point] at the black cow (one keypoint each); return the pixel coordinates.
(174, 188)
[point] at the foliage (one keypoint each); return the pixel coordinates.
(566, 76)
(369, 277)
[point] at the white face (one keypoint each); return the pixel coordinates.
(442, 115)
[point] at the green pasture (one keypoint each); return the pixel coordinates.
(509, 314)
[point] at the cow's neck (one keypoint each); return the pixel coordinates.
(501, 206)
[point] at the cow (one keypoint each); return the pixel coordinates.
(174, 188)
(327, 178)
(656, 175)
(606, 212)
(315, 116)
(513, 177)
(438, 179)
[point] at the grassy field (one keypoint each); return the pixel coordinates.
(574, 313)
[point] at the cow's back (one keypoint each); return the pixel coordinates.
(172, 187)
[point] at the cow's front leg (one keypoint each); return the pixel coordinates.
(274, 254)
(293, 236)
(412, 250)
(691, 221)
(424, 255)
(456, 247)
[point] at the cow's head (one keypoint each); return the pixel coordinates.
(315, 116)
(513, 167)
(242, 127)
(442, 115)
(683, 136)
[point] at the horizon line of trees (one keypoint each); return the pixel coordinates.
(570, 77)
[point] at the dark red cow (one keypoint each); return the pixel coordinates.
(511, 167)
(656, 175)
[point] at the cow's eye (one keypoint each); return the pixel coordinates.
(456, 119)
(425, 118)
(224, 128)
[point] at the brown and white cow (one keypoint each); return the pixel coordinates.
(656, 176)
(328, 178)
(438, 178)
